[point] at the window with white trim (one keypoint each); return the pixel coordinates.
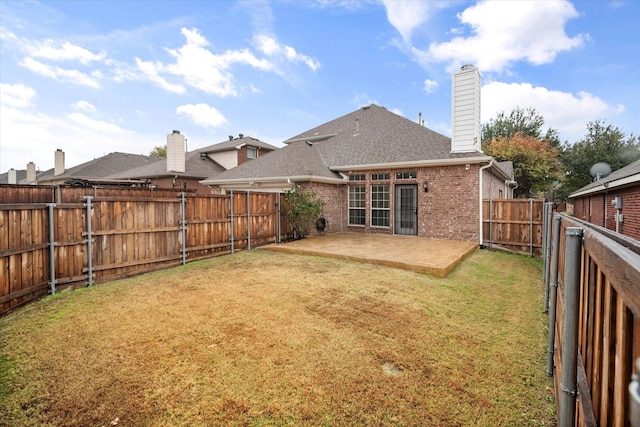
(357, 205)
(252, 153)
(380, 205)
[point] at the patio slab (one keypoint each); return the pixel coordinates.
(429, 256)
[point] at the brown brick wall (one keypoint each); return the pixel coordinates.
(242, 153)
(448, 210)
(599, 209)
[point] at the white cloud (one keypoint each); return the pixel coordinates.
(565, 112)
(94, 125)
(151, 71)
(50, 49)
(407, 15)
(17, 95)
(61, 74)
(430, 85)
(505, 32)
(270, 47)
(363, 99)
(202, 114)
(205, 71)
(84, 106)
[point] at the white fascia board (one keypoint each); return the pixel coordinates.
(607, 186)
(271, 180)
(413, 164)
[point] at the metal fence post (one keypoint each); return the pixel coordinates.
(553, 293)
(490, 223)
(568, 382)
(89, 206)
(183, 226)
(634, 397)
(232, 238)
(547, 252)
(52, 250)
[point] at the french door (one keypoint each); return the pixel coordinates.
(406, 209)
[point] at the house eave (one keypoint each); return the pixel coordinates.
(270, 182)
(606, 186)
(412, 164)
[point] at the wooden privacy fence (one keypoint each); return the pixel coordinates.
(48, 247)
(592, 295)
(513, 224)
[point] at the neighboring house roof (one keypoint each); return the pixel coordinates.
(627, 175)
(21, 175)
(197, 162)
(369, 138)
(237, 143)
(101, 167)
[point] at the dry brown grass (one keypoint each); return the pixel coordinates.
(260, 338)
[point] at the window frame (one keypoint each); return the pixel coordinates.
(382, 189)
(357, 207)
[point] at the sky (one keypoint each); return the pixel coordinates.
(95, 77)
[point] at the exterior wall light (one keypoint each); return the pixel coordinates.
(425, 187)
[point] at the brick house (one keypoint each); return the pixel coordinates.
(185, 170)
(612, 202)
(379, 172)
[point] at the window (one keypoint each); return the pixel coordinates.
(356, 205)
(405, 175)
(357, 177)
(379, 177)
(380, 205)
(252, 153)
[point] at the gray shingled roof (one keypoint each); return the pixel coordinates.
(369, 137)
(626, 175)
(21, 175)
(237, 142)
(101, 167)
(196, 166)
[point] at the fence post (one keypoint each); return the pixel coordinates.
(531, 227)
(183, 226)
(52, 250)
(248, 221)
(232, 220)
(89, 240)
(547, 240)
(279, 213)
(553, 293)
(490, 222)
(568, 382)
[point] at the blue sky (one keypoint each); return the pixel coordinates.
(95, 77)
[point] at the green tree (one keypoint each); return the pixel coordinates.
(602, 143)
(302, 208)
(536, 164)
(159, 151)
(526, 121)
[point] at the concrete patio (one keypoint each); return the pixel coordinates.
(429, 256)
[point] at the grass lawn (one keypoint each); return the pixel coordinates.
(268, 339)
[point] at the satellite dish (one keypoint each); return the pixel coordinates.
(600, 170)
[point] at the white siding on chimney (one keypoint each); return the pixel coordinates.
(465, 110)
(226, 159)
(175, 152)
(12, 176)
(59, 162)
(31, 173)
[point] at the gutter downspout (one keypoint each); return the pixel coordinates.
(480, 236)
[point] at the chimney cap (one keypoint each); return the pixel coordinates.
(176, 132)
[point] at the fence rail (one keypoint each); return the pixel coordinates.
(593, 287)
(46, 247)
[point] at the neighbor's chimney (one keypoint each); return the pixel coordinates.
(31, 173)
(465, 110)
(59, 162)
(12, 176)
(175, 152)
